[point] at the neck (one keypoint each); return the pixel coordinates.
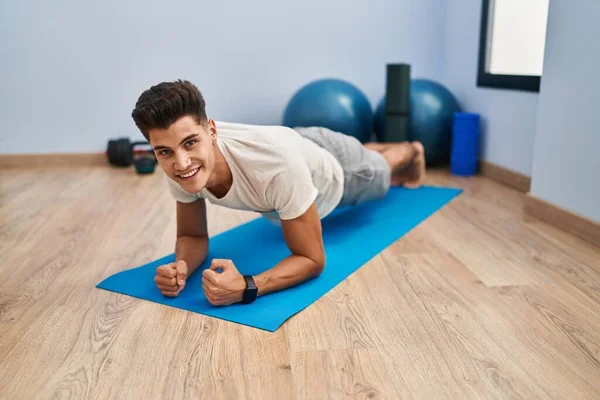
(221, 179)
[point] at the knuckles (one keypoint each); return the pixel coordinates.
(213, 301)
(221, 261)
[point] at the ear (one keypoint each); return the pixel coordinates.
(212, 129)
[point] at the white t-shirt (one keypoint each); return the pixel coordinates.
(276, 172)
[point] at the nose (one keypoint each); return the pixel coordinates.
(182, 161)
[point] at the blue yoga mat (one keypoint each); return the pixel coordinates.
(352, 236)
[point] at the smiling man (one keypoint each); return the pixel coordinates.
(293, 177)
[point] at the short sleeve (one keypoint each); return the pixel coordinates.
(179, 194)
(291, 192)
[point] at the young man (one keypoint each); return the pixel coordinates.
(294, 177)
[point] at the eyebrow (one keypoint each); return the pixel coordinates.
(193, 135)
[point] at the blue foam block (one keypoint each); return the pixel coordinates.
(352, 236)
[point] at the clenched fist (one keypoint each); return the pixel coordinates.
(225, 288)
(171, 278)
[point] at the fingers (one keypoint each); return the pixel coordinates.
(208, 294)
(213, 287)
(182, 271)
(210, 285)
(167, 271)
(169, 280)
(171, 291)
(211, 276)
(162, 280)
(218, 263)
(212, 297)
(219, 286)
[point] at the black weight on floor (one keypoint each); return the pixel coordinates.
(125, 149)
(112, 152)
(120, 151)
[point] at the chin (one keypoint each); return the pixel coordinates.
(192, 184)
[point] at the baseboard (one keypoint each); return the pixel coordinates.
(508, 177)
(563, 219)
(52, 160)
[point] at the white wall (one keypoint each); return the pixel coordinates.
(71, 71)
(508, 117)
(566, 170)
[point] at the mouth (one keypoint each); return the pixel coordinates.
(189, 174)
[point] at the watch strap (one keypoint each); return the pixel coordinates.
(251, 290)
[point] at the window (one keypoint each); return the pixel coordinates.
(512, 41)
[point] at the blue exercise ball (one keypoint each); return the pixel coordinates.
(379, 120)
(432, 108)
(334, 104)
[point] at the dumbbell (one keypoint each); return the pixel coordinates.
(122, 153)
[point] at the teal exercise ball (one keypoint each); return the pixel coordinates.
(379, 120)
(432, 107)
(331, 103)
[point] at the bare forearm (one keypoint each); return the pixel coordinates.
(291, 271)
(192, 250)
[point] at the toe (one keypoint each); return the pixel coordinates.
(419, 146)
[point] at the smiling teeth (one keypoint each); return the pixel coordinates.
(191, 173)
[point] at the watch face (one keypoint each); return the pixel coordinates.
(251, 290)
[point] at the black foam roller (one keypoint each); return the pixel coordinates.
(396, 128)
(397, 103)
(397, 88)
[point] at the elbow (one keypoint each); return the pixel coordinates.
(319, 266)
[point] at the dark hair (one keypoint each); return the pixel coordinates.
(163, 104)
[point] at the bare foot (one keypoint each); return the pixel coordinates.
(406, 161)
(379, 147)
(417, 168)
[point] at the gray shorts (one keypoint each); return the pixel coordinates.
(366, 172)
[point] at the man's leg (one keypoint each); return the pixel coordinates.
(370, 169)
(406, 161)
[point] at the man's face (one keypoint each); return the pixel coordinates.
(185, 152)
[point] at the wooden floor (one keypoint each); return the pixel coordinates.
(478, 301)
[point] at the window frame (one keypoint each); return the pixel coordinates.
(530, 83)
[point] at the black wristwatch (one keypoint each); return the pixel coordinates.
(251, 290)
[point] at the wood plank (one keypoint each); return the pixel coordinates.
(484, 196)
(366, 310)
(198, 356)
(494, 248)
(48, 334)
(337, 320)
(442, 329)
(480, 335)
(342, 374)
(559, 217)
(508, 177)
(549, 323)
(29, 160)
(572, 263)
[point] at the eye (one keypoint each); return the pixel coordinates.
(163, 152)
(191, 142)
